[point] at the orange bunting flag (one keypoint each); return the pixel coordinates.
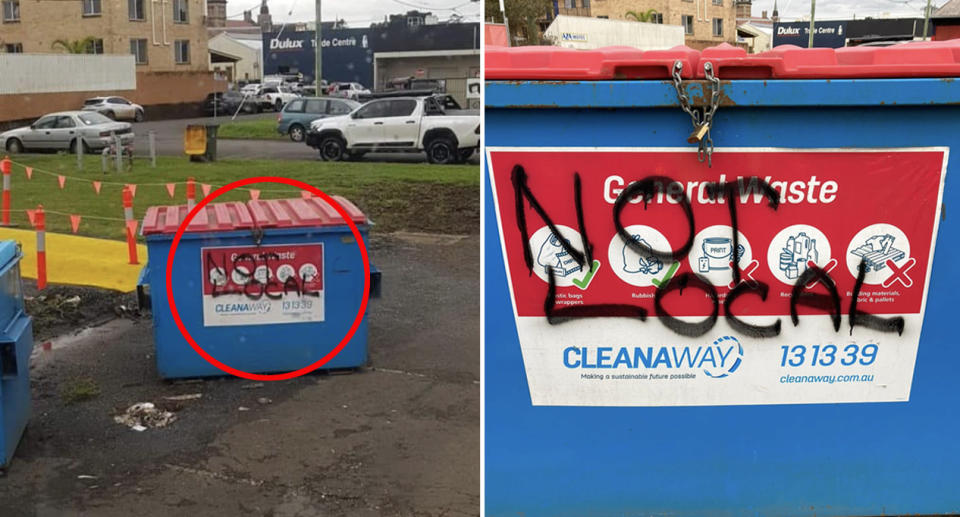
(171, 187)
(254, 194)
(75, 222)
(132, 226)
(133, 189)
(206, 189)
(31, 216)
(306, 195)
(61, 180)
(29, 171)
(96, 186)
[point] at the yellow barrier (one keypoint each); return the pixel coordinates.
(76, 260)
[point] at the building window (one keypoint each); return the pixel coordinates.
(91, 7)
(180, 11)
(413, 21)
(11, 10)
(135, 9)
(14, 48)
(657, 18)
(570, 4)
(95, 47)
(585, 3)
(718, 2)
(138, 47)
(687, 24)
(718, 26)
(181, 51)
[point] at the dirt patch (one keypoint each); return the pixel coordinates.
(62, 309)
(422, 207)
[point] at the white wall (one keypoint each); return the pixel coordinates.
(48, 73)
(581, 32)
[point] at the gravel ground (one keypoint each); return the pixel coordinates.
(400, 437)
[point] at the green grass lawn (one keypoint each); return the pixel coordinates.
(396, 196)
(260, 129)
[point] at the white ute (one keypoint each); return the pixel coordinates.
(398, 124)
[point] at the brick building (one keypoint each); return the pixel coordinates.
(705, 22)
(167, 37)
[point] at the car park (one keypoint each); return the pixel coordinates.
(64, 131)
(299, 113)
(403, 124)
(116, 108)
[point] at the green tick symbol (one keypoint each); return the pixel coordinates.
(668, 276)
(583, 284)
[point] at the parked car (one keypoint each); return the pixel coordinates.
(65, 130)
(347, 90)
(252, 89)
(298, 114)
(227, 103)
(116, 108)
(275, 96)
(404, 124)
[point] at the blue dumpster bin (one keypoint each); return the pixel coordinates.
(760, 325)
(263, 286)
(16, 344)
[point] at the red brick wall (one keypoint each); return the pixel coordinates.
(945, 32)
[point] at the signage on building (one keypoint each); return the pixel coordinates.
(827, 34)
(578, 37)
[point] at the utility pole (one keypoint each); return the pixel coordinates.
(813, 9)
(506, 24)
(926, 20)
(318, 50)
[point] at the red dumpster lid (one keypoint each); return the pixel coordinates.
(911, 59)
(263, 213)
(294, 213)
(232, 215)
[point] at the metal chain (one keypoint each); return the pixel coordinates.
(705, 143)
(682, 95)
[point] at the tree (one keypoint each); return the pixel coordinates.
(522, 16)
(80, 46)
(646, 16)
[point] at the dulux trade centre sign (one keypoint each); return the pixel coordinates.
(348, 54)
(826, 34)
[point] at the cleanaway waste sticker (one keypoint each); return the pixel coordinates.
(667, 320)
(259, 285)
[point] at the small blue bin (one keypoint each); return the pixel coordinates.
(16, 344)
(263, 286)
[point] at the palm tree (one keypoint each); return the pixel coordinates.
(646, 16)
(80, 46)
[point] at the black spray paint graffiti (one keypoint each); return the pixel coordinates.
(646, 189)
(244, 265)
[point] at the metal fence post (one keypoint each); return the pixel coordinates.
(79, 146)
(118, 149)
(153, 148)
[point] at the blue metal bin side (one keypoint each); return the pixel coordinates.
(16, 345)
(853, 458)
(259, 341)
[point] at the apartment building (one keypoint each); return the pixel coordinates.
(705, 22)
(168, 39)
(164, 35)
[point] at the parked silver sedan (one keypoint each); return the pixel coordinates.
(65, 130)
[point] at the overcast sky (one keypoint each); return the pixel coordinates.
(358, 13)
(844, 9)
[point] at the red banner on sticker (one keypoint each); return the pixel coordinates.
(255, 270)
(837, 209)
